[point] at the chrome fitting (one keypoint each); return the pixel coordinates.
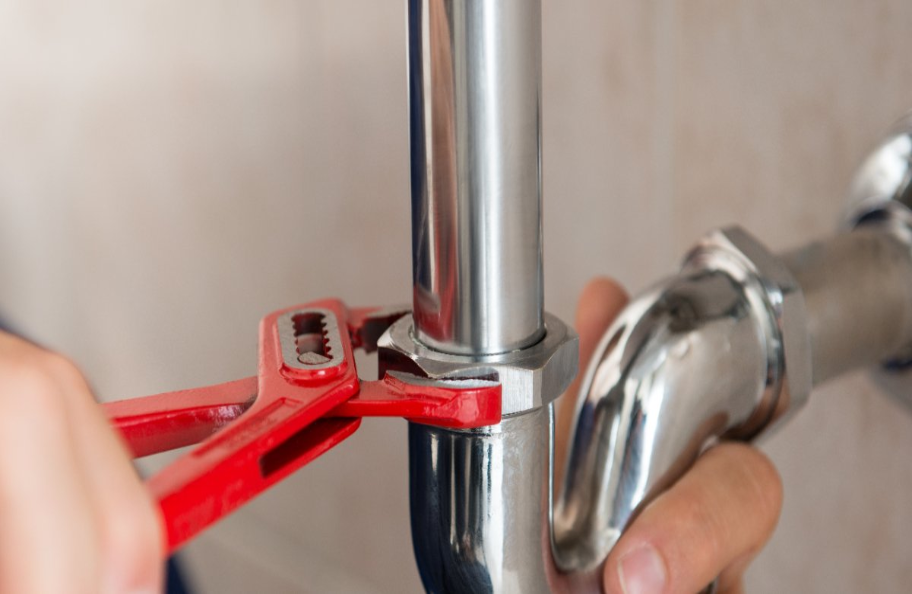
(881, 197)
(530, 378)
(880, 190)
(768, 285)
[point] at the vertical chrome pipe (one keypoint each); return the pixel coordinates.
(474, 101)
(495, 480)
(481, 506)
(480, 499)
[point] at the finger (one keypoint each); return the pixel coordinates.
(131, 528)
(721, 512)
(49, 539)
(732, 585)
(731, 580)
(600, 302)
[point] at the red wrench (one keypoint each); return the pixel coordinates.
(305, 399)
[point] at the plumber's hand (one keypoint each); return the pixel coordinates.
(712, 522)
(74, 516)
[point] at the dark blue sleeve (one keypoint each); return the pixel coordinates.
(174, 581)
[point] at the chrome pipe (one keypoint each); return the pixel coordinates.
(480, 499)
(475, 130)
(858, 290)
(494, 517)
(496, 525)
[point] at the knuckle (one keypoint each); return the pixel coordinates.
(63, 369)
(34, 384)
(26, 362)
(31, 390)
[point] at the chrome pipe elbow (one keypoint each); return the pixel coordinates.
(719, 350)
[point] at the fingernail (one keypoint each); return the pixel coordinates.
(642, 571)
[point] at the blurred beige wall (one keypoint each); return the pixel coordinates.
(170, 171)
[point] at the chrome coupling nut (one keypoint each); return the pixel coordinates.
(530, 378)
(772, 290)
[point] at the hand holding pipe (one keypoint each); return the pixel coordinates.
(729, 347)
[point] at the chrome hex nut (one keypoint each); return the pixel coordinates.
(530, 378)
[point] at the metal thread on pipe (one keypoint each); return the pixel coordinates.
(858, 291)
(474, 101)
